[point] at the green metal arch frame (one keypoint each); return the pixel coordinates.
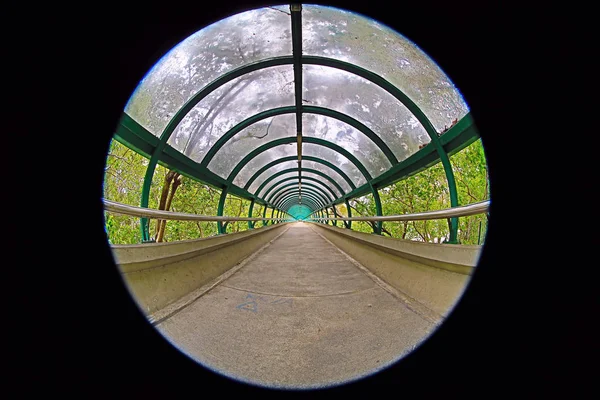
(294, 200)
(213, 151)
(290, 204)
(308, 187)
(326, 198)
(313, 171)
(293, 197)
(414, 109)
(298, 59)
(306, 191)
(309, 178)
(289, 201)
(292, 139)
(294, 158)
(302, 191)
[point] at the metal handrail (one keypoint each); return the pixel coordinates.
(124, 209)
(462, 211)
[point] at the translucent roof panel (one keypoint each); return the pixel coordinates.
(229, 105)
(250, 138)
(349, 138)
(370, 104)
(265, 175)
(337, 159)
(322, 180)
(201, 58)
(275, 181)
(224, 165)
(330, 172)
(346, 36)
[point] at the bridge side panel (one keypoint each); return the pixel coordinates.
(158, 274)
(432, 275)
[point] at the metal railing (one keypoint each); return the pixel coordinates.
(462, 211)
(124, 209)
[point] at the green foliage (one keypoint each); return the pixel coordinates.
(428, 190)
(425, 191)
(472, 184)
(123, 181)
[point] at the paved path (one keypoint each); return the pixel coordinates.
(298, 314)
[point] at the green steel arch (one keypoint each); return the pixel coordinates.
(294, 200)
(297, 60)
(293, 197)
(314, 171)
(295, 158)
(297, 179)
(308, 187)
(305, 109)
(301, 193)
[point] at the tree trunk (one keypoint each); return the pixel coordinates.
(163, 198)
(176, 181)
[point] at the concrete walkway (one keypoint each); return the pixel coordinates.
(299, 314)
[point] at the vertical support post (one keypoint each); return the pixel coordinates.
(378, 224)
(335, 214)
(220, 227)
(251, 223)
(264, 223)
(145, 222)
(348, 223)
(272, 213)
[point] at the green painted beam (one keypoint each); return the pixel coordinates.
(296, 17)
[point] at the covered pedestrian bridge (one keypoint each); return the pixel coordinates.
(298, 110)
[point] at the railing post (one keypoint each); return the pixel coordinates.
(335, 214)
(221, 228)
(251, 223)
(348, 223)
(377, 226)
(265, 223)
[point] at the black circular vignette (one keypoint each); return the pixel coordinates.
(88, 334)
